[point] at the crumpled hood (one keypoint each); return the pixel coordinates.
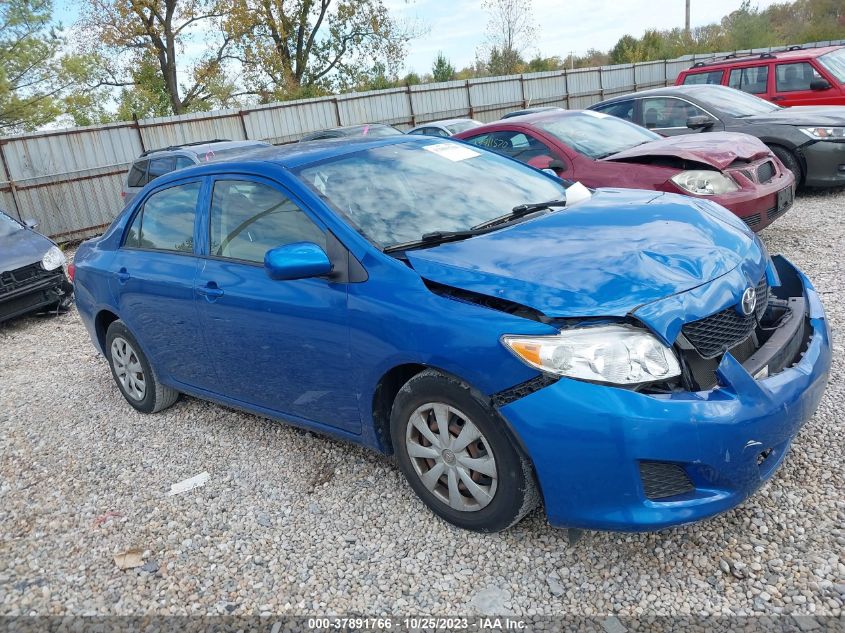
(603, 257)
(802, 115)
(22, 248)
(718, 149)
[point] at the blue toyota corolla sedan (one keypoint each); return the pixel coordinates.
(632, 359)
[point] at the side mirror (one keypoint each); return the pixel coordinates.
(556, 164)
(31, 224)
(296, 261)
(819, 84)
(699, 122)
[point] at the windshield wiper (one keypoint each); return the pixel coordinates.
(520, 211)
(437, 237)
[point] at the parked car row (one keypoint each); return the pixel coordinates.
(626, 352)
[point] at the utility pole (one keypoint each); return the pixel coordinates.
(686, 23)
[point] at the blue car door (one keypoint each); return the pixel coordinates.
(279, 345)
(153, 283)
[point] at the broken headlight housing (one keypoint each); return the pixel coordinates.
(53, 258)
(614, 354)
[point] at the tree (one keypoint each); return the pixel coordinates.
(287, 47)
(133, 32)
(510, 30)
(442, 69)
(29, 83)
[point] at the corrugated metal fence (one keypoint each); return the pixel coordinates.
(69, 180)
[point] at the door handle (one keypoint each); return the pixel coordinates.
(123, 275)
(210, 291)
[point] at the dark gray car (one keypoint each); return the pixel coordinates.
(809, 140)
(32, 273)
(365, 129)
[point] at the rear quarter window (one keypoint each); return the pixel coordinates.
(711, 77)
(138, 174)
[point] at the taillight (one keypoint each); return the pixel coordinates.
(71, 270)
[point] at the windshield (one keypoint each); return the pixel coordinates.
(835, 64)
(8, 225)
(397, 193)
(733, 102)
(462, 126)
(596, 135)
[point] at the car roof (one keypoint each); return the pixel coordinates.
(348, 130)
(690, 90)
(524, 111)
(534, 116)
(294, 155)
(199, 149)
(754, 59)
(444, 122)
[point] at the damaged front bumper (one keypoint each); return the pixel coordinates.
(25, 290)
(615, 459)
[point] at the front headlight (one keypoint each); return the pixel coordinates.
(825, 133)
(617, 354)
(53, 258)
(704, 182)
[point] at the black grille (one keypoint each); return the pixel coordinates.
(752, 220)
(12, 280)
(765, 172)
(726, 329)
(661, 480)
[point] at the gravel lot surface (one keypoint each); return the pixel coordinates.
(290, 522)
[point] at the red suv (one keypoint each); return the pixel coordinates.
(792, 77)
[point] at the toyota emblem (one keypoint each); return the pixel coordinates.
(749, 301)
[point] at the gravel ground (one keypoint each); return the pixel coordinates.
(295, 523)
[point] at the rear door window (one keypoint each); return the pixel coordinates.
(753, 79)
(794, 77)
(166, 221)
(668, 112)
(712, 77)
(620, 109)
(249, 218)
(138, 174)
(161, 166)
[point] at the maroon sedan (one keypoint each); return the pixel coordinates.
(736, 170)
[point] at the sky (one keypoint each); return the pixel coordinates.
(457, 27)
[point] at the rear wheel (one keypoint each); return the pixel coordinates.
(790, 161)
(133, 373)
(453, 449)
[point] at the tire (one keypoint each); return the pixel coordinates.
(496, 498)
(133, 373)
(790, 161)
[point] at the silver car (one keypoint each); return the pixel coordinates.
(446, 127)
(157, 162)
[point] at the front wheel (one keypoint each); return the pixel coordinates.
(133, 373)
(790, 161)
(457, 456)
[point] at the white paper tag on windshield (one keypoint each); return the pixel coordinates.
(576, 193)
(452, 151)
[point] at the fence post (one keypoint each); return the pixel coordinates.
(137, 127)
(565, 85)
(469, 99)
(411, 106)
(12, 189)
(337, 111)
(522, 88)
(601, 84)
(243, 124)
